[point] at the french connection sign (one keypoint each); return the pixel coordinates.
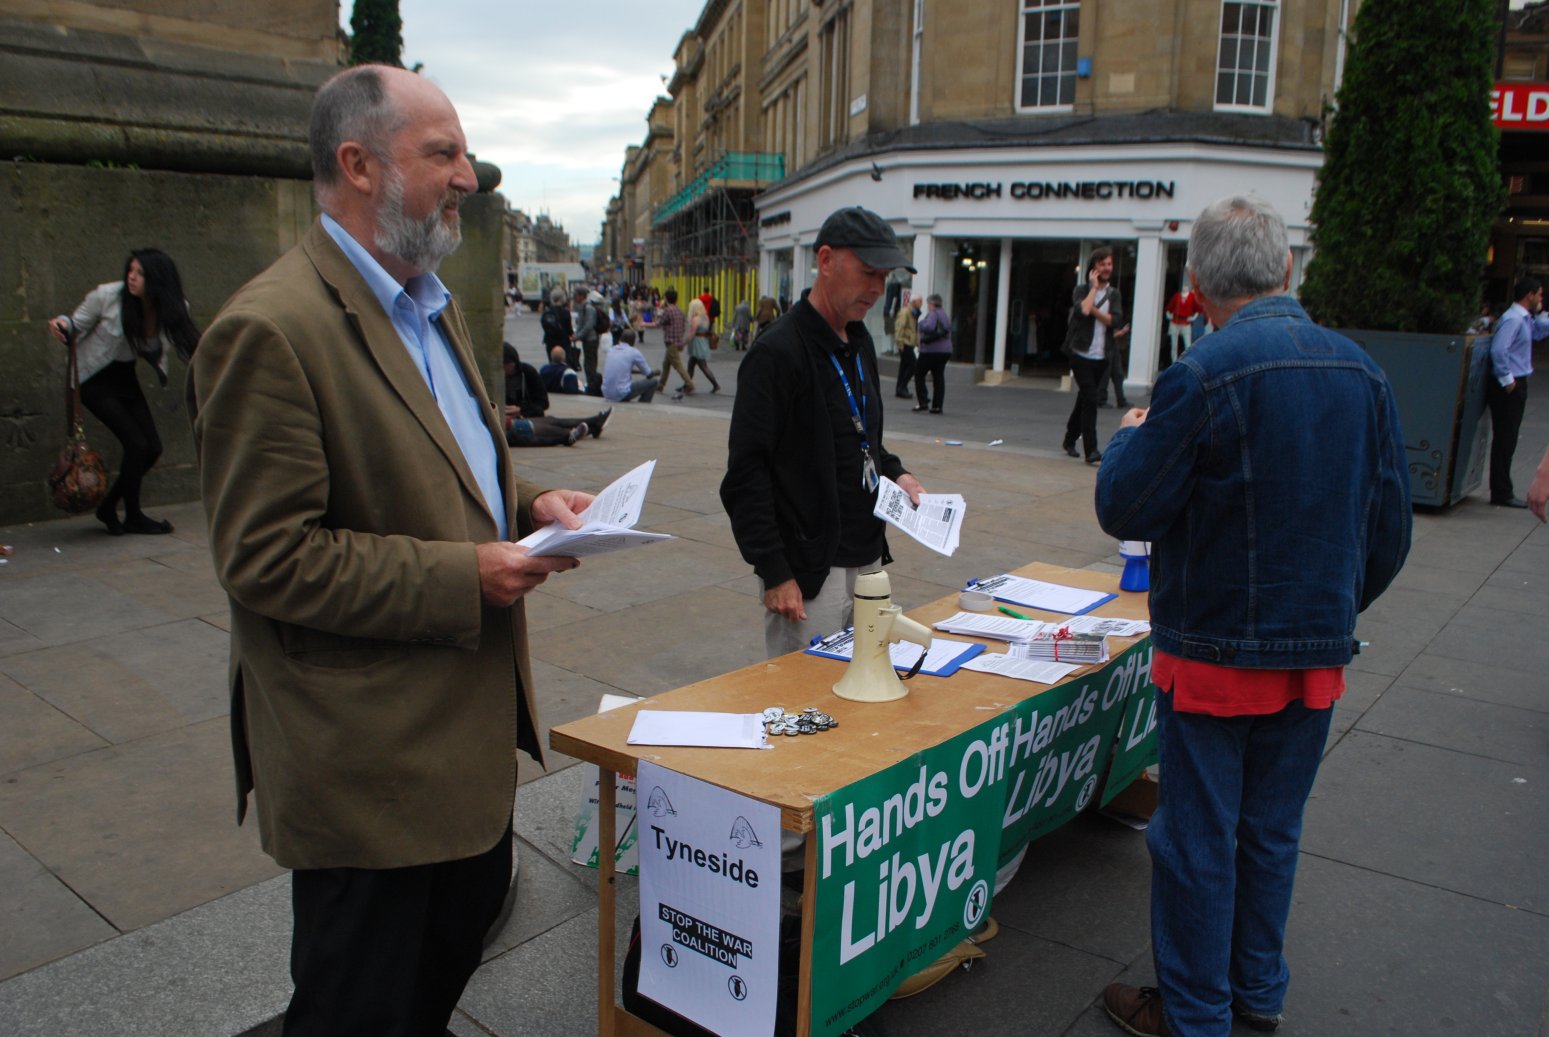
(1040, 190)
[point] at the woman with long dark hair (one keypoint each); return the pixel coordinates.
(115, 325)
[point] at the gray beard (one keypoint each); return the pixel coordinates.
(422, 244)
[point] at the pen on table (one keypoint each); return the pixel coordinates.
(1014, 615)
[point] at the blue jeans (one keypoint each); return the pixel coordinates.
(1224, 842)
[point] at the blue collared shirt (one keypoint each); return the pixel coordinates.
(415, 309)
(1511, 349)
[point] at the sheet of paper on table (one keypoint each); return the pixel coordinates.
(1021, 669)
(689, 727)
(609, 522)
(937, 522)
(945, 656)
(1036, 594)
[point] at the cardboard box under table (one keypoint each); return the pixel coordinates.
(909, 806)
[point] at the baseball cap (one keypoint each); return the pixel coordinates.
(867, 235)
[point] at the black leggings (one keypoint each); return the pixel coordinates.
(113, 395)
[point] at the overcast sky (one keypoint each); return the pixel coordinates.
(551, 93)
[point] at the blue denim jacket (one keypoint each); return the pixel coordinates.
(1270, 477)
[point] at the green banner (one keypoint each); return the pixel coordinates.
(906, 868)
(1060, 742)
(1136, 748)
(907, 857)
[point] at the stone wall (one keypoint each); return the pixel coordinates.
(66, 229)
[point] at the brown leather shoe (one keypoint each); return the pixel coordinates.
(1137, 1010)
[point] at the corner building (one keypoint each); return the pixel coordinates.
(1006, 139)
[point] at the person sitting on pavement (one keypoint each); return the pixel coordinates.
(618, 381)
(549, 431)
(558, 376)
(524, 386)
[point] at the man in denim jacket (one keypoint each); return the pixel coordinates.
(1270, 475)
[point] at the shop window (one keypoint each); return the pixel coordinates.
(1245, 64)
(1047, 55)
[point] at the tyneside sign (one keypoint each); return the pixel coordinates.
(1039, 190)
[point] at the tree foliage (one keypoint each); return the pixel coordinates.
(376, 33)
(1410, 183)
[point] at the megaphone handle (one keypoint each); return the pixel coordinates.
(917, 664)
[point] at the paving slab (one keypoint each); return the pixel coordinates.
(140, 831)
(212, 972)
(131, 684)
(1024, 985)
(32, 731)
(1449, 720)
(1372, 953)
(1434, 816)
(44, 919)
(1501, 681)
(1487, 635)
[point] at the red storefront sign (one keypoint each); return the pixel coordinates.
(1520, 106)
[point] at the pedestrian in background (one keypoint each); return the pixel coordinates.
(673, 324)
(117, 324)
(935, 349)
(1511, 363)
(1096, 308)
(699, 342)
(1267, 545)
(741, 321)
(764, 316)
(906, 335)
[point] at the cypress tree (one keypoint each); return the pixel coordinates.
(1410, 182)
(376, 33)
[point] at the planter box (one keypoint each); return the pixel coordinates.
(1439, 382)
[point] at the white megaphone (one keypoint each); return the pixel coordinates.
(878, 623)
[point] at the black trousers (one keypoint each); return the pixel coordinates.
(114, 396)
(906, 364)
(387, 953)
(593, 377)
(1090, 377)
(934, 367)
(1506, 409)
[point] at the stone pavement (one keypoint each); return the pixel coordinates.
(131, 904)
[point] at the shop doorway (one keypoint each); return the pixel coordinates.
(1043, 276)
(971, 305)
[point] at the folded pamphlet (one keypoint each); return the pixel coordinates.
(608, 522)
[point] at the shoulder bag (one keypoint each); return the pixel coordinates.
(79, 479)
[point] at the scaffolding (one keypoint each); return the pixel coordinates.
(710, 225)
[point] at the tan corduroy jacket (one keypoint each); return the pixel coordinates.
(376, 701)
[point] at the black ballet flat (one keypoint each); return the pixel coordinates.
(146, 525)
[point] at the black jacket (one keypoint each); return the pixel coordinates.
(525, 390)
(1078, 335)
(779, 490)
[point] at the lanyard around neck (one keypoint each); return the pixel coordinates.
(857, 413)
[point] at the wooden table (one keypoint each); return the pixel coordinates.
(871, 736)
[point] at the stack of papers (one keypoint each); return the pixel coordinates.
(609, 522)
(1036, 594)
(1062, 646)
(942, 660)
(1022, 669)
(937, 522)
(988, 624)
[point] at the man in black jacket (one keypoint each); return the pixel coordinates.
(806, 440)
(1096, 325)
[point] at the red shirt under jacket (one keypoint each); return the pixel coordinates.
(1228, 691)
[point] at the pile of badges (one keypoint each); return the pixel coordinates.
(808, 722)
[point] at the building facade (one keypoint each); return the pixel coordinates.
(1004, 141)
